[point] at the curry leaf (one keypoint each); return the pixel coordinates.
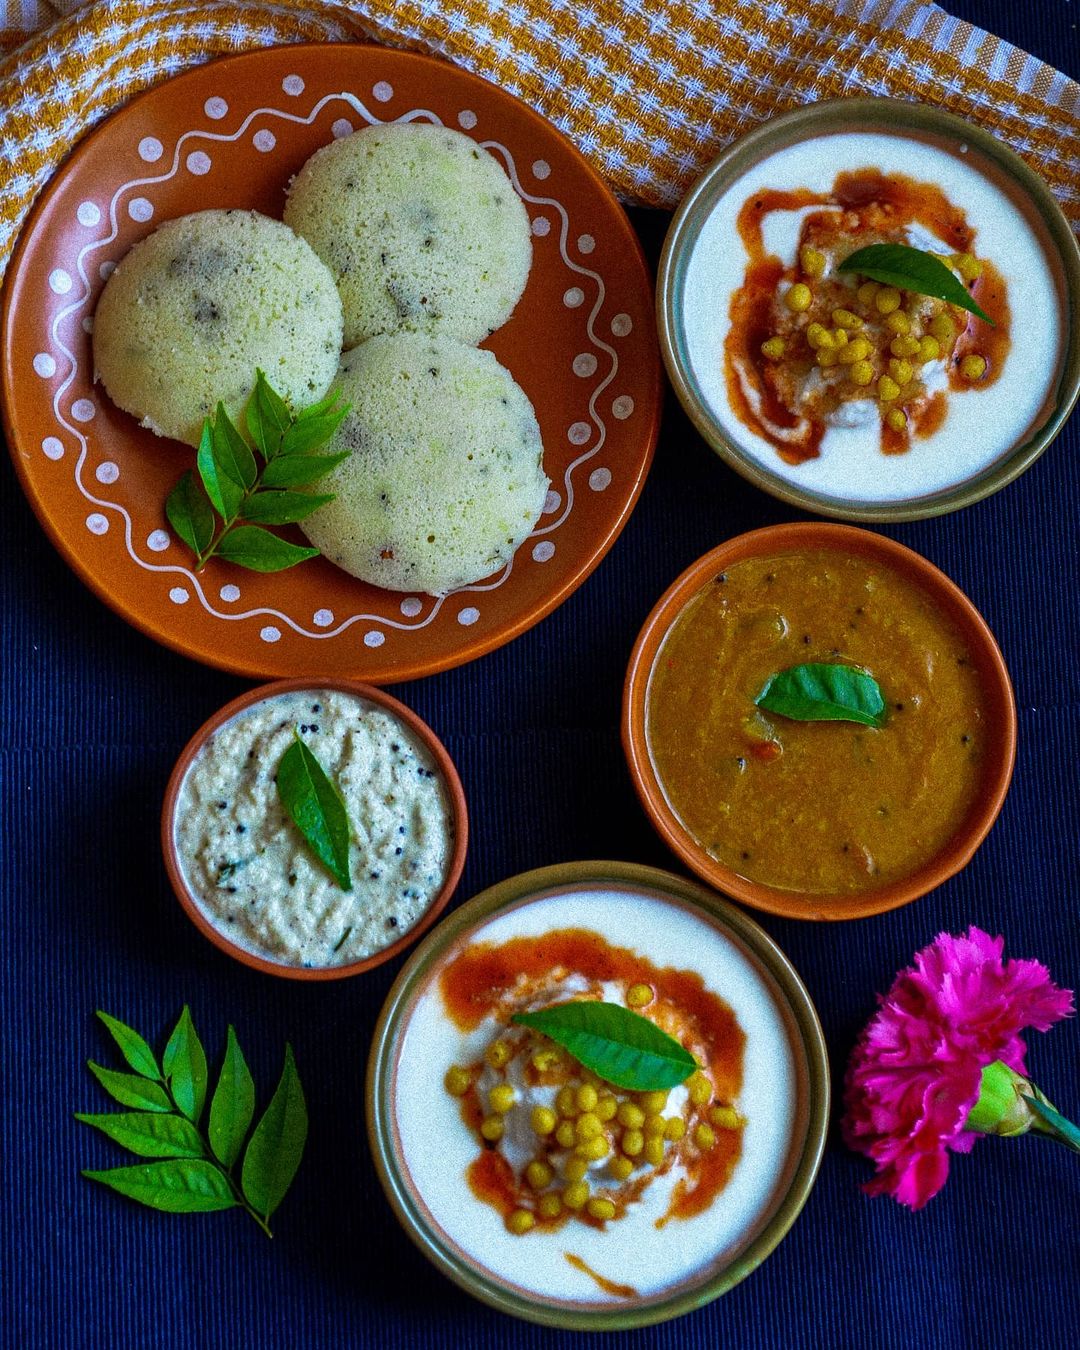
(129, 1089)
(191, 1179)
(180, 1186)
(312, 432)
(190, 514)
(618, 1045)
(232, 453)
(235, 485)
(132, 1046)
(268, 417)
(276, 1147)
(224, 491)
(912, 269)
(184, 1063)
(319, 409)
(299, 470)
(824, 693)
(260, 551)
(233, 1104)
(316, 808)
(148, 1133)
(282, 508)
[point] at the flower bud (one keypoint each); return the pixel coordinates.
(1001, 1108)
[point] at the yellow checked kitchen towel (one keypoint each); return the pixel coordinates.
(650, 90)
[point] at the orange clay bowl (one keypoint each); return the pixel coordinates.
(1000, 720)
(423, 733)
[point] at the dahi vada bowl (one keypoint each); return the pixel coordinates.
(819, 722)
(865, 308)
(597, 1193)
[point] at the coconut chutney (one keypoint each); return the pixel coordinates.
(248, 867)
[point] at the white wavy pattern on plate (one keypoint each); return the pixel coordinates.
(564, 234)
(466, 616)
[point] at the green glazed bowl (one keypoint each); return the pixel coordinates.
(893, 117)
(768, 969)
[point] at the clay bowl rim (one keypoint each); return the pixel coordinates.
(797, 537)
(262, 692)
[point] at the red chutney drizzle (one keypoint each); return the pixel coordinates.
(752, 324)
(495, 980)
(710, 1174)
(874, 206)
(491, 1179)
(608, 1286)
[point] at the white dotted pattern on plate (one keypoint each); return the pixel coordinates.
(550, 216)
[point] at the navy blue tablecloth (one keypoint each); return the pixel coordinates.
(94, 715)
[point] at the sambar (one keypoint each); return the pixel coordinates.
(816, 807)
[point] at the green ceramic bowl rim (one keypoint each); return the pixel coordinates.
(537, 883)
(830, 117)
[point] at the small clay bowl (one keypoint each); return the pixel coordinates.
(947, 596)
(688, 294)
(419, 729)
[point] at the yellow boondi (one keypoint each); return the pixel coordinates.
(649, 98)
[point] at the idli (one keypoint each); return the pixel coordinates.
(420, 227)
(445, 475)
(194, 309)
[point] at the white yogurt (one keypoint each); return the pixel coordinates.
(982, 425)
(437, 1147)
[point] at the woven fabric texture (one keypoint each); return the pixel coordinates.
(650, 90)
(93, 715)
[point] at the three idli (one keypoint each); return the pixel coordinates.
(444, 480)
(420, 227)
(194, 309)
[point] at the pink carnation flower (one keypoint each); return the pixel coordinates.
(916, 1070)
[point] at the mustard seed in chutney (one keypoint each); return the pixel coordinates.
(820, 807)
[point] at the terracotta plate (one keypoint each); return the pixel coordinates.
(581, 343)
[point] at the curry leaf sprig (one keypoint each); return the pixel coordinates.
(618, 1045)
(316, 807)
(195, 1170)
(222, 513)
